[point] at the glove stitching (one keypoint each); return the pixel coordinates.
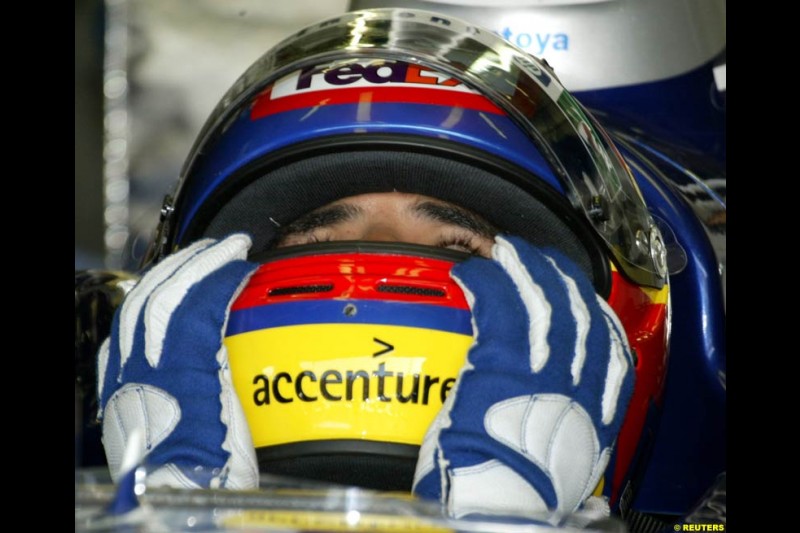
(614, 377)
(444, 475)
(556, 427)
(493, 432)
(617, 326)
(539, 313)
(575, 407)
(174, 419)
(148, 437)
(523, 440)
(140, 391)
(168, 297)
(136, 301)
(478, 468)
(103, 356)
(600, 462)
(582, 318)
(231, 407)
(236, 447)
(118, 419)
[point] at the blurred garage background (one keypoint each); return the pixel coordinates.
(147, 73)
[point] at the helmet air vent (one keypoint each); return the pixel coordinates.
(410, 290)
(301, 289)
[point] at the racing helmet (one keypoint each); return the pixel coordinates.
(341, 353)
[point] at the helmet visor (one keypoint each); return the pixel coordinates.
(593, 175)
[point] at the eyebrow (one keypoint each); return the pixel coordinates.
(335, 214)
(456, 216)
(321, 218)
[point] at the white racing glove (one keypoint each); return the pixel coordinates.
(163, 371)
(530, 425)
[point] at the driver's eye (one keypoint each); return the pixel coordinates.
(460, 243)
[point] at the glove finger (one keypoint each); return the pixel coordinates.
(167, 297)
(102, 369)
(194, 334)
(242, 465)
(582, 316)
(428, 450)
(132, 306)
(606, 337)
(539, 296)
(109, 369)
(197, 367)
(140, 407)
(619, 381)
(500, 321)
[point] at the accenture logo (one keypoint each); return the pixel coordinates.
(335, 385)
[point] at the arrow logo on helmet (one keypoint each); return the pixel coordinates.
(386, 347)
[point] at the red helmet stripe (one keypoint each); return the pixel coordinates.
(265, 105)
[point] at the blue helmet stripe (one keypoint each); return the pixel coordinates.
(366, 312)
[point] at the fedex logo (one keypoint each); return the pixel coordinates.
(363, 74)
(367, 81)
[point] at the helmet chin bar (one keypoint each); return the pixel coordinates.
(367, 462)
(362, 341)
